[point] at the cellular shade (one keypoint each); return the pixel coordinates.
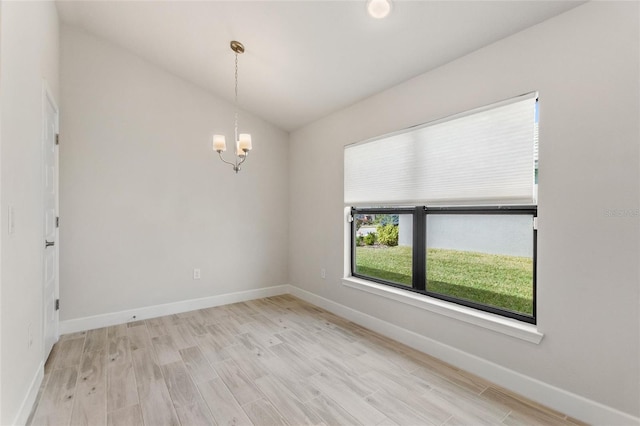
(485, 156)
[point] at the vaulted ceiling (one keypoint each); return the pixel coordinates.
(303, 59)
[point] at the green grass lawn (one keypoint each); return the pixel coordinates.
(501, 281)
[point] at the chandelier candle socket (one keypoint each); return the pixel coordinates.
(242, 140)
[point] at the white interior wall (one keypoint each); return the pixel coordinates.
(29, 46)
(585, 65)
(1, 205)
(143, 197)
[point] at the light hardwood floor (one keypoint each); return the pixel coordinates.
(272, 361)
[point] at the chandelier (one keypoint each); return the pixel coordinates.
(242, 140)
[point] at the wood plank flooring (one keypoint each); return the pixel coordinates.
(273, 361)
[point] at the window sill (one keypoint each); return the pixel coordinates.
(485, 320)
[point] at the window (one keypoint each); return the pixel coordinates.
(448, 209)
(481, 257)
(383, 246)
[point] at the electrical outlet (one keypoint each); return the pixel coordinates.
(196, 274)
(323, 273)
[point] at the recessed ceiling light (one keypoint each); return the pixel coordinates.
(379, 8)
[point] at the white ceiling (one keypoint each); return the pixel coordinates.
(303, 59)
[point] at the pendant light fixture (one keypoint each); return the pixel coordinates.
(242, 144)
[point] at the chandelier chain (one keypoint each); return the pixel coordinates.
(236, 78)
(236, 102)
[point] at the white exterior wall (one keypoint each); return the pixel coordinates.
(495, 234)
(405, 230)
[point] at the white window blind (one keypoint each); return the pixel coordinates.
(480, 157)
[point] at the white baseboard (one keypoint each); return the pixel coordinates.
(566, 402)
(105, 320)
(30, 398)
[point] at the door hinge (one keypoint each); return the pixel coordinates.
(350, 218)
(57, 221)
(535, 223)
(57, 138)
(57, 304)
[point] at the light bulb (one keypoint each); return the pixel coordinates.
(244, 141)
(219, 143)
(379, 8)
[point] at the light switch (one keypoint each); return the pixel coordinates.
(12, 220)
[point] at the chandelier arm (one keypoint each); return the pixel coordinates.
(234, 165)
(243, 159)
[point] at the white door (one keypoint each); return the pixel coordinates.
(49, 244)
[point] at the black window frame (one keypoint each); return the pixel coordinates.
(419, 250)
